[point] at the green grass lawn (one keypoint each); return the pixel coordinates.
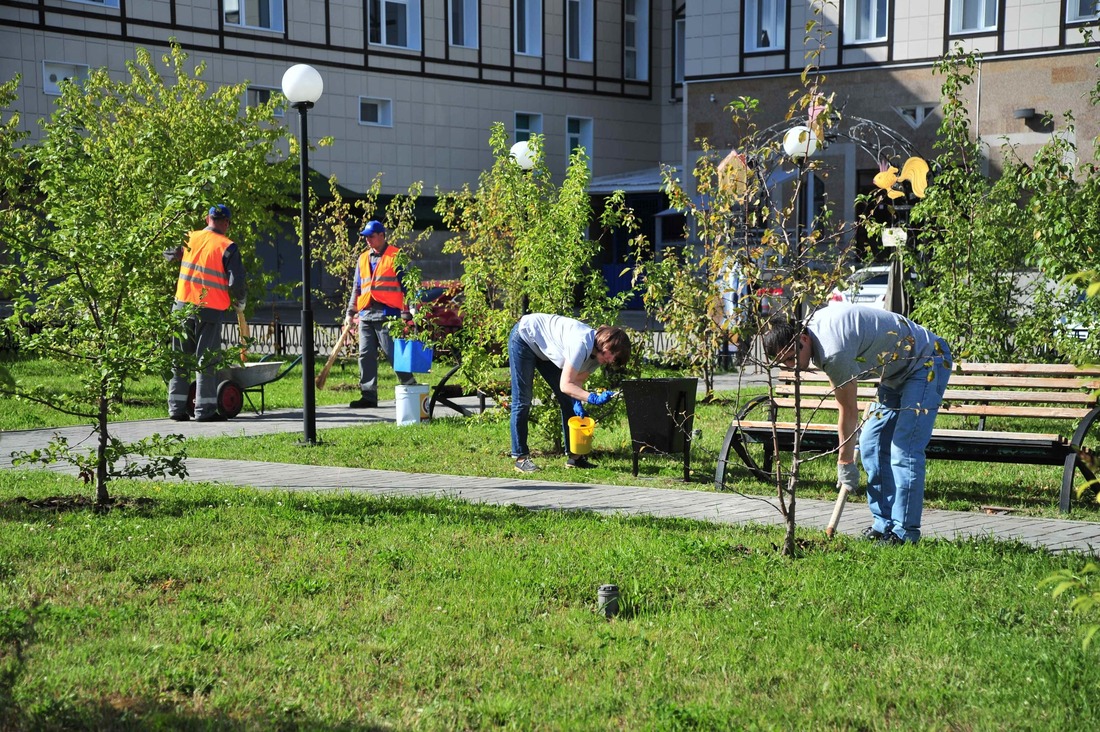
(480, 446)
(191, 606)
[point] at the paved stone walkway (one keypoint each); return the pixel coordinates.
(1057, 535)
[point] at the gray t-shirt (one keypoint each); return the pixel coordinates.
(857, 341)
(560, 340)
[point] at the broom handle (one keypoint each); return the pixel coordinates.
(323, 376)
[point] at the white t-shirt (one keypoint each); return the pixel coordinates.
(560, 340)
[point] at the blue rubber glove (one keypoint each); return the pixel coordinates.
(578, 408)
(601, 398)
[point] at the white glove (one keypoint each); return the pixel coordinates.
(847, 475)
(239, 307)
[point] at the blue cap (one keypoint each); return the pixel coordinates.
(221, 211)
(373, 227)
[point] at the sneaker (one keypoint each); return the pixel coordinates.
(179, 417)
(890, 539)
(215, 417)
(364, 402)
(871, 534)
(578, 461)
(525, 465)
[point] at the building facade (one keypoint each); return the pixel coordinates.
(1037, 58)
(411, 86)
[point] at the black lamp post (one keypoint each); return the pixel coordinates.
(302, 86)
(799, 143)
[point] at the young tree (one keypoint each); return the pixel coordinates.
(1000, 255)
(525, 248)
(123, 171)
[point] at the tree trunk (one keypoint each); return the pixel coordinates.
(101, 496)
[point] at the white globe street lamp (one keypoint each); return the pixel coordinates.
(523, 154)
(302, 86)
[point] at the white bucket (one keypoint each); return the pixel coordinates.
(411, 403)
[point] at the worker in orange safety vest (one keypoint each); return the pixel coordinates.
(377, 296)
(211, 280)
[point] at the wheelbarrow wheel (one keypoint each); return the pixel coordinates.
(230, 399)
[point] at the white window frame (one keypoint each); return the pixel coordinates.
(274, 10)
(862, 19)
(1074, 12)
(581, 138)
(55, 72)
(533, 125)
(385, 112)
(385, 12)
(254, 96)
(769, 16)
(637, 24)
(527, 34)
(579, 21)
(916, 114)
(463, 22)
(983, 24)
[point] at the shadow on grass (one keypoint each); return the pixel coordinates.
(342, 508)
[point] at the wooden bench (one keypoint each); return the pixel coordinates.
(979, 391)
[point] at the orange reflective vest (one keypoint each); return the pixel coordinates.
(203, 280)
(382, 285)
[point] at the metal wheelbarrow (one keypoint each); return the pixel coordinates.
(237, 381)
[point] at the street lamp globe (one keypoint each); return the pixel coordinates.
(522, 153)
(800, 142)
(302, 83)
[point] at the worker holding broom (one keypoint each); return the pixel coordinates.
(377, 296)
(211, 280)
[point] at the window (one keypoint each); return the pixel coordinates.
(104, 3)
(395, 23)
(1078, 10)
(765, 25)
(527, 124)
(916, 114)
(636, 40)
(864, 20)
(463, 23)
(256, 96)
(55, 73)
(969, 16)
(267, 14)
(679, 39)
(578, 30)
(578, 133)
(377, 112)
(528, 27)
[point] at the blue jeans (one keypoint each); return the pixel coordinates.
(523, 363)
(892, 443)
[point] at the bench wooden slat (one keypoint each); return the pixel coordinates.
(960, 410)
(1034, 437)
(958, 395)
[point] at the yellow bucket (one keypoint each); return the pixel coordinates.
(580, 435)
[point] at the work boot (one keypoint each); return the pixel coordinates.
(366, 401)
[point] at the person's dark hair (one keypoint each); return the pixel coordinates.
(779, 334)
(615, 341)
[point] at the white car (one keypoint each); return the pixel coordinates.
(865, 286)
